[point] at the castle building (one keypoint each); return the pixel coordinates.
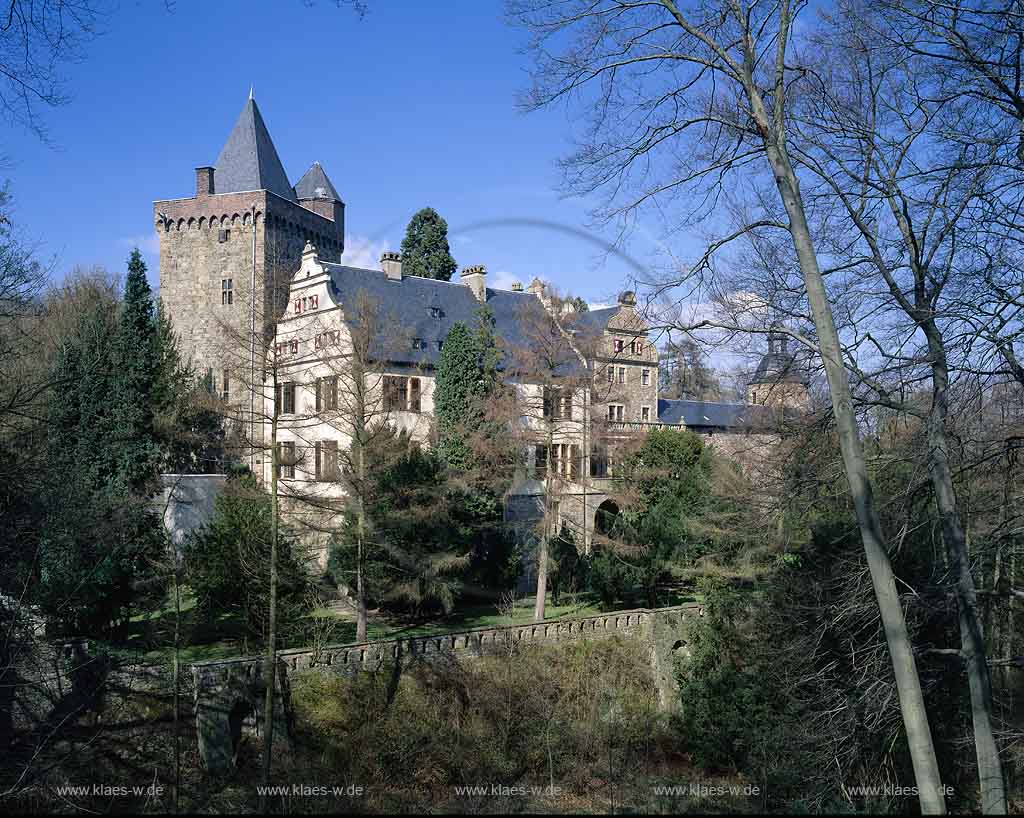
(227, 252)
(346, 347)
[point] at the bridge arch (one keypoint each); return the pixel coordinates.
(605, 516)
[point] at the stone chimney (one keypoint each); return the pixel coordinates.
(536, 287)
(517, 287)
(476, 279)
(204, 181)
(391, 264)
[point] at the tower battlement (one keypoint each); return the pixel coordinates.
(227, 252)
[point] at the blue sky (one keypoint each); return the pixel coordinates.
(411, 106)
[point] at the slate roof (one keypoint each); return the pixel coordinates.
(698, 414)
(248, 160)
(406, 309)
(596, 320)
(314, 184)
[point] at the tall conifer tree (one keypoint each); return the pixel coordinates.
(425, 250)
(136, 379)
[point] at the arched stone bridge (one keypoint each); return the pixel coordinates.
(229, 692)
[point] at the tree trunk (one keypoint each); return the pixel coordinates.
(908, 684)
(270, 663)
(360, 539)
(542, 555)
(542, 579)
(360, 595)
(972, 642)
(177, 679)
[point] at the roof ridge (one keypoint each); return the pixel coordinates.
(420, 278)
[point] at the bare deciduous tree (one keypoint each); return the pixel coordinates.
(682, 97)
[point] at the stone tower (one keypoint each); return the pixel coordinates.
(244, 226)
(778, 379)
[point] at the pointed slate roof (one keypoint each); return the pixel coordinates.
(314, 184)
(248, 160)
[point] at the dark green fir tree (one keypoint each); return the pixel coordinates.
(425, 250)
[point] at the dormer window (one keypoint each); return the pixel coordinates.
(419, 343)
(440, 344)
(436, 312)
(618, 345)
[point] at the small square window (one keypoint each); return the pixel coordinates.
(223, 235)
(645, 414)
(440, 345)
(419, 343)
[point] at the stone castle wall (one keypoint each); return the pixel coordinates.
(196, 256)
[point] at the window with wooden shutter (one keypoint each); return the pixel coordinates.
(284, 399)
(396, 397)
(331, 472)
(414, 394)
(326, 394)
(286, 460)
